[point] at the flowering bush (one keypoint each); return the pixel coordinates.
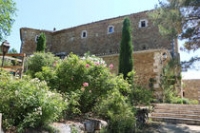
(89, 86)
(28, 103)
(90, 79)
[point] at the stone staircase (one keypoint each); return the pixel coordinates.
(176, 113)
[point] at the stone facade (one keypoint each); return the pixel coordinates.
(147, 65)
(99, 37)
(191, 89)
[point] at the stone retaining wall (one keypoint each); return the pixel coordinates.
(191, 89)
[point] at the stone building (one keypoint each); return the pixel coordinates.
(103, 38)
(99, 37)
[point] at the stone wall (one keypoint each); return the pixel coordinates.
(191, 89)
(28, 40)
(147, 64)
(98, 40)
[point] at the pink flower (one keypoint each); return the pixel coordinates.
(87, 65)
(111, 66)
(85, 84)
(97, 63)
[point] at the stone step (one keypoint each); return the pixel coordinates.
(178, 109)
(188, 116)
(195, 112)
(180, 106)
(176, 120)
(176, 113)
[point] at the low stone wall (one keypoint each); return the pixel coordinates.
(191, 89)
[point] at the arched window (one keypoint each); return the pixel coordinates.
(84, 34)
(143, 23)
(36, 38)
(110, 29)
(144, 47)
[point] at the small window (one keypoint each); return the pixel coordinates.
(144, 47)
(110, 29)
(143, 23)
(84, 34)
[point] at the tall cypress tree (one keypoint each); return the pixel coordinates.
(41, 43)
(126, 49)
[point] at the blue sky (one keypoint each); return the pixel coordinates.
(47, 14)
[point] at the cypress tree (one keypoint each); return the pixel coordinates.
(41, 43)
(126, 49)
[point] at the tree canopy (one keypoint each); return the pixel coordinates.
(7, 12)
(179, 19)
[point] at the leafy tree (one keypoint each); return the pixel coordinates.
(12, 51)
(179, 19)
(7, 12)
(126, 49)
(41, 43)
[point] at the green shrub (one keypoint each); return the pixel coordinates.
(73, 108)
(141, 96)
(6, 62)
(38, 60)
(120, 113)
(28, 103)
(179, 100)
(48, 74)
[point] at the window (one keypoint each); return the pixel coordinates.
(144, 47)
(143, 23)
(110, 29)
(84, 34)
(36, 38)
